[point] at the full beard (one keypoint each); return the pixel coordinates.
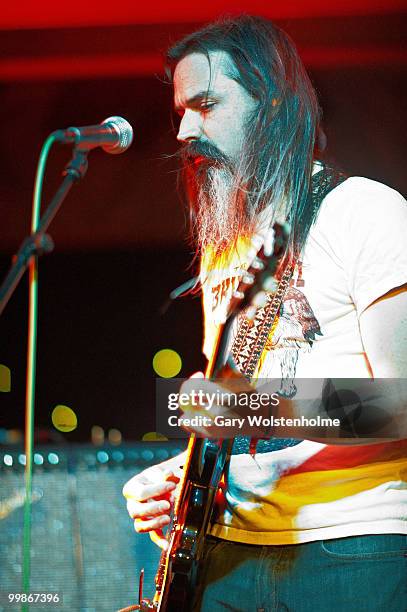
(217, 201)
(218, 208)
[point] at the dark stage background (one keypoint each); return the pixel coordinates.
(119, 237)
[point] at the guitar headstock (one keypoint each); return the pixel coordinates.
(259, 279)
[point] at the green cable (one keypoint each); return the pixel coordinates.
(31, 352)
(39, 180)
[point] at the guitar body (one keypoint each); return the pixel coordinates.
(181, 565)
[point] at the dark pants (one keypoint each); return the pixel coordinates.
(355, 574)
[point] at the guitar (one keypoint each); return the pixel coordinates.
(178, 569)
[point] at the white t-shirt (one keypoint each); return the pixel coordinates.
(355, 253)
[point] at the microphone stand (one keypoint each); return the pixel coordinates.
(38, 243)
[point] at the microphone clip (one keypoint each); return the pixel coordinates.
(78, 165)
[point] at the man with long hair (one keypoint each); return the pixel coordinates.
(304, 524)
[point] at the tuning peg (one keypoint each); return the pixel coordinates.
(251, 313)
(270, 284)
(260, 299)
(269, 243)
(239, 295)
(286, 229)
(247, 278)
(258, 264)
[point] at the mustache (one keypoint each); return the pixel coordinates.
(208, 151)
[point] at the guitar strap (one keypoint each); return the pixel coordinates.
(252, 336)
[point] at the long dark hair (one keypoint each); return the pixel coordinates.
(277, 161)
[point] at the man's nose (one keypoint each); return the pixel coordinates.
(190, 127)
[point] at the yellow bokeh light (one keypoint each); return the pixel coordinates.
(5, 379)
(64, 419)
(153, 436)
(167, 363)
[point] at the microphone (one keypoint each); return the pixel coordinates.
(114, 135)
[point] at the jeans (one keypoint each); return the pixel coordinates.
(355, 574)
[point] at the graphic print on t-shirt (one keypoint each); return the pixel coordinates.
(295, 331)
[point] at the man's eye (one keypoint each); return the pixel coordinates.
(206, 106)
